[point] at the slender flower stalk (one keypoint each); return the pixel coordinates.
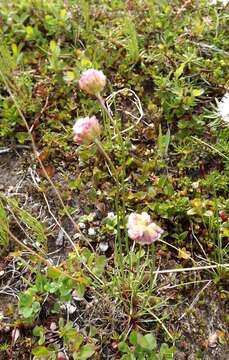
(115, 174)
(102, 103)
(107, 157)
(122, 174)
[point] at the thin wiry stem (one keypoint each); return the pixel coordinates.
(195, 300)
(160, 322)
(102, 103)
(194, 268)
(107, 157)
(116, 177)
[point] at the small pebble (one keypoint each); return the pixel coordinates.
(91, 231)
(212, 340)
(103, 246)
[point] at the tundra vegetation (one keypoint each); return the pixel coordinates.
(114, 164)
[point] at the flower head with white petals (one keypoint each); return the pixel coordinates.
(223, 108)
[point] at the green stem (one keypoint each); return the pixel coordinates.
(116, 177)
(152, 274)
(107, 157)
(102, 103)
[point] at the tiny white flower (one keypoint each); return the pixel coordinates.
(196, 184)
(91, 231)
(103, 246)
(223, 108)
(209, 213)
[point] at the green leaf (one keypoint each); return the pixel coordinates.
(128, 357)
(163, 142)
(93, 331)
(197, 92)
(77, 342)
(225, 232)
(154, 356)
(152, 343)
(40, 332)
(53, 273)
(100, 262)
(142, 341)
(167, 352)
(179, 71)
(22, 137)
(41, 281)
(123, 347)
(69, 76)
(29, 30)
(28, 307)
(133, 337)
(53, 46)
(86, 352)
(40, 351)
(35, 225)
(27, 312)
(80, 290)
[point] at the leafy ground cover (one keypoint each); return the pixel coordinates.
(74, 285)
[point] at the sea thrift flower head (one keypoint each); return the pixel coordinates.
(92, 81)
(142, 229)
(223, 108)
(86, 130)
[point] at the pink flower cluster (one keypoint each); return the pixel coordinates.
(142, 229)
(92, 81)
(86, 130)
